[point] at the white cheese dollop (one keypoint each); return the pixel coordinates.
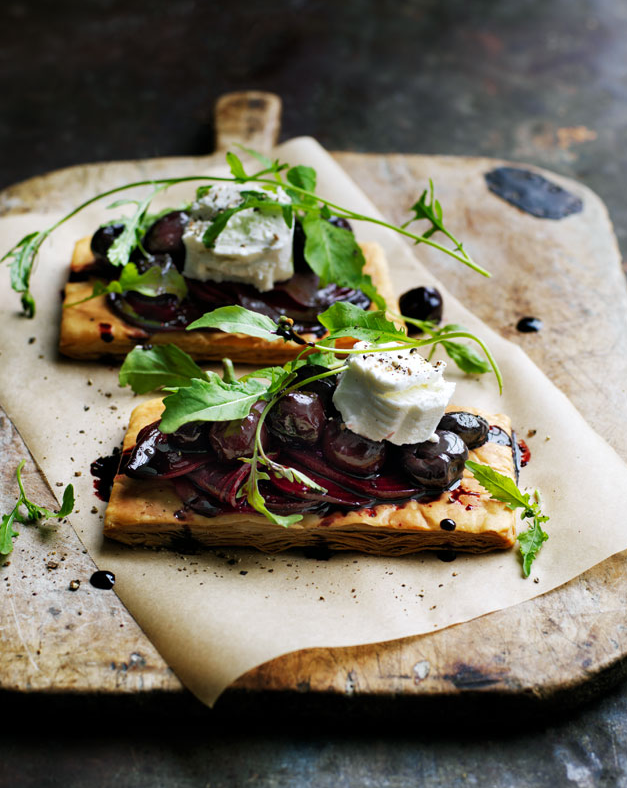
(254, 247)
(392, 395)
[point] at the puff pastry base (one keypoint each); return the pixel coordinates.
(149, 512)
(81, 336)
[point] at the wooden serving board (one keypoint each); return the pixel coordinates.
(564, 644)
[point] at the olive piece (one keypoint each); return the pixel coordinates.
(473, 430)
(351, 452)
(421, 303)
(298, 243)
(324, 388)
(298, 249)
(338, 221)
(166, 235)
(102, 239)
(436, 464)
(298, 418)
(153, 455)
(191, 437)
(233, 439)
(162, 261)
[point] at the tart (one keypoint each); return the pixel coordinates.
(165, 509)
(111, 325)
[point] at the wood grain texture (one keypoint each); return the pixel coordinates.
(251, 118)
(568, 640)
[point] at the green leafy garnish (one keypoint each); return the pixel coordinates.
(238, 320)
(134, 228)
(347, 320)
(34, 511)
(334, 254)
(22, 257)
(303, 178)
(211, 399)
(502, 488)
(152, 282)
(237, 168)
(432, 211)
(162, 366)
(330, 251)
(466, 358)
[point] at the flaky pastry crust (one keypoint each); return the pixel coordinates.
(81, 336)
(149, 512)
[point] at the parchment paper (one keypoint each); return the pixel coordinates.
(215, 615)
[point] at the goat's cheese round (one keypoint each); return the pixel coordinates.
(254, 247)
(392, 395)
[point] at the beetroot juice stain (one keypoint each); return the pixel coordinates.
(455, 497)
(105, 469)
(525, 453)
(106, 334)
(529, 325)
(102, 580)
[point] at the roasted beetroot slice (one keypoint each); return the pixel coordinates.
(334, 495)
(285, 504)
(216, 482)
(194, 499)
(152, 457)
(222, 481)
(384, 486)
(212, 294)
(160, 313)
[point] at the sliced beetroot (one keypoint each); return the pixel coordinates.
(385, 486)
(222, 481)
(154, 457)
(285, 504)
(161, 313)
(220, 484)
(299, 298)
(335, 494)
(194, 499)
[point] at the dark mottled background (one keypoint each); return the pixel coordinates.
(541, 81)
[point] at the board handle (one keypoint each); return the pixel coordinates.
(251, 118)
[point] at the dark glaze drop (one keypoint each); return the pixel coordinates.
(446, 555)
(529, 325)
(103, 580)
(448, 524)
(532, 193)
(106, 333)
(105, 469)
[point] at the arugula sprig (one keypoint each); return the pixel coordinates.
(432, 211)
(155, 281)
(502, 488)
(465, 356)
(347, 320)
(34, 512)
(331, 251)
